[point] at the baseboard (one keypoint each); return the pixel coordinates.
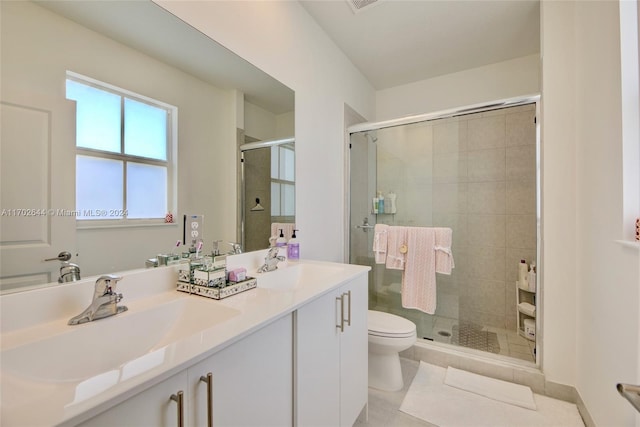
(584, 412)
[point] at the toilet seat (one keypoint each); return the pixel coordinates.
(388, 325)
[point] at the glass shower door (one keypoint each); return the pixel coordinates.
(475, 174)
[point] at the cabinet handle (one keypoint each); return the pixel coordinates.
(341, 325)
(209, 381)
(349, 308)
(179, 398)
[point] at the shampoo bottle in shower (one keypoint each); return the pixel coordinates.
(391, 202)
(523, 271)
(531, 278)
(380, 202)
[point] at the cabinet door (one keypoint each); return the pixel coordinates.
(252, 380)
(318, 362)
(152, 407)
(354, 352)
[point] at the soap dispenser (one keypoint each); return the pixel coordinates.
(281, 243)
(293, 248)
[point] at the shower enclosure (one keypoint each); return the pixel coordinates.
(474, 171)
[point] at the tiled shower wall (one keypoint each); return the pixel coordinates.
(477, 175)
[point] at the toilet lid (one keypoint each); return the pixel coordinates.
(390, 325)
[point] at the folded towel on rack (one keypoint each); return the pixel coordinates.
(444, 256)
(380, 233)
(419, 277)
(396, 248)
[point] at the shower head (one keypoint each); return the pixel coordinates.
(373, 138)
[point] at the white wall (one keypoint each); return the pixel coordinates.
(502, 80)
(558, 179)
(591, 281)
(608, 279)
(280, 38)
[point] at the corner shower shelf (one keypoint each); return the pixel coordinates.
(525, 309)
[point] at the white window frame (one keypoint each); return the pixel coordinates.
(281, 181)
(170, 163)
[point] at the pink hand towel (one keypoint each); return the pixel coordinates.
(419, 276)
(380, 233)
(396, 240)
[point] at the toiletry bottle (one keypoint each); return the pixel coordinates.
(281, 244)
(391, 202)
(380, 202)
(532, 277)
(375, 205)
(523, 270)
(293, 247)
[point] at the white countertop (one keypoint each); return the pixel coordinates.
(41, 396)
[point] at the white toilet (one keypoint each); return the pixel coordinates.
(388, 336)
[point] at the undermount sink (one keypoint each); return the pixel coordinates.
(294, 276)
(86, 350)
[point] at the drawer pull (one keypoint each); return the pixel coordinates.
(209, 381)
(349, 308)
(179, 398)
(341, 325)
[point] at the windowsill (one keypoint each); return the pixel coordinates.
(84, 225)
(630, 243)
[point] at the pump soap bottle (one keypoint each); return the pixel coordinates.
(293, 248)
(281, 243)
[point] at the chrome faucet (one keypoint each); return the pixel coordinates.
(271, 261)
(236, 248)
(105, 301)
(69, 272)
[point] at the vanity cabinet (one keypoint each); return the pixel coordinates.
(252, 385)
(252, 380)
(331, 357)
(152, 407)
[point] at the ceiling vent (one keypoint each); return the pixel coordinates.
(360, 5)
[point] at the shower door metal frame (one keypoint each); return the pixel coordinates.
(453, 112)
(242, 149)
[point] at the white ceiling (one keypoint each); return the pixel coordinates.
(395, 42)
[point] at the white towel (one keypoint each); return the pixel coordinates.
(444, 256)
(396, 240)
(419, 276)
(380, 233)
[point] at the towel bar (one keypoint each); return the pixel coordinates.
(631, 393)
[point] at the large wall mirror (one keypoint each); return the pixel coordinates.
(182, 86)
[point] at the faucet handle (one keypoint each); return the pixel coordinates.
(104, 285)
(236, 248)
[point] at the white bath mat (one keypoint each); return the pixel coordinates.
(431, 400)
(502, 391)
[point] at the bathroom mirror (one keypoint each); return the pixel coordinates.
(136, 46)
